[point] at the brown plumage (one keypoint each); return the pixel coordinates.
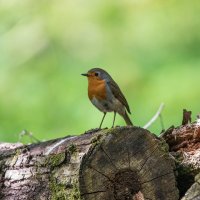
(119, 95)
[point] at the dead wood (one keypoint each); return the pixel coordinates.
(121, 163)
(184, 146)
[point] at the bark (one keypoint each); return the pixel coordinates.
(184, 145)
(121, 163)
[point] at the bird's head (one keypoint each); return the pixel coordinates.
(97, 74)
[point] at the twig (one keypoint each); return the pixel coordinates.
(158, 114)
(29, 134)
(162, 123)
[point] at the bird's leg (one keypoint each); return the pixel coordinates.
(114, 119)
(102, 120)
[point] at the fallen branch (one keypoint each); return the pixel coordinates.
(158, 114)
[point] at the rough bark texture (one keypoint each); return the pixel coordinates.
(121, 163)
(184, 145)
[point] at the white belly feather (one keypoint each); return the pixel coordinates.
(109, 106)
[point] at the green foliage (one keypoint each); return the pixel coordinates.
(151, 48)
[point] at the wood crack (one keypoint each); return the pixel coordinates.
(157, 177)
(147, 158)
(109, 158)
(95, 192)
(101, 173)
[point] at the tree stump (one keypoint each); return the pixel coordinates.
(120, 164)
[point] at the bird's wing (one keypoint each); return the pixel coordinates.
(118, 94)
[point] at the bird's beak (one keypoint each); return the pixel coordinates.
(85, 75)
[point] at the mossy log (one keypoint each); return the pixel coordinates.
(111, 164)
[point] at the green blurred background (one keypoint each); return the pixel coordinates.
(150, 47)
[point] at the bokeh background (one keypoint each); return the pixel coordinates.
(150, 47)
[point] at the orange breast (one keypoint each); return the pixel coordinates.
(96, 88)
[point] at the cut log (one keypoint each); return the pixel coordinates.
(120, 164)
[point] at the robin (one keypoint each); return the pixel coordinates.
(105, 94)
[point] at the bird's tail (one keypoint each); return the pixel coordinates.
(127, 119)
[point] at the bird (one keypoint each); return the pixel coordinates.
(105, 94)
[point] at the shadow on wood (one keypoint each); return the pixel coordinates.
(119, 164)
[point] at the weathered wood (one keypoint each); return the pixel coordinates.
(187, 117)
(184, 145)
(127, 162)
(121, 163)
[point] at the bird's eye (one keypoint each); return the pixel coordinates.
(96, 74)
